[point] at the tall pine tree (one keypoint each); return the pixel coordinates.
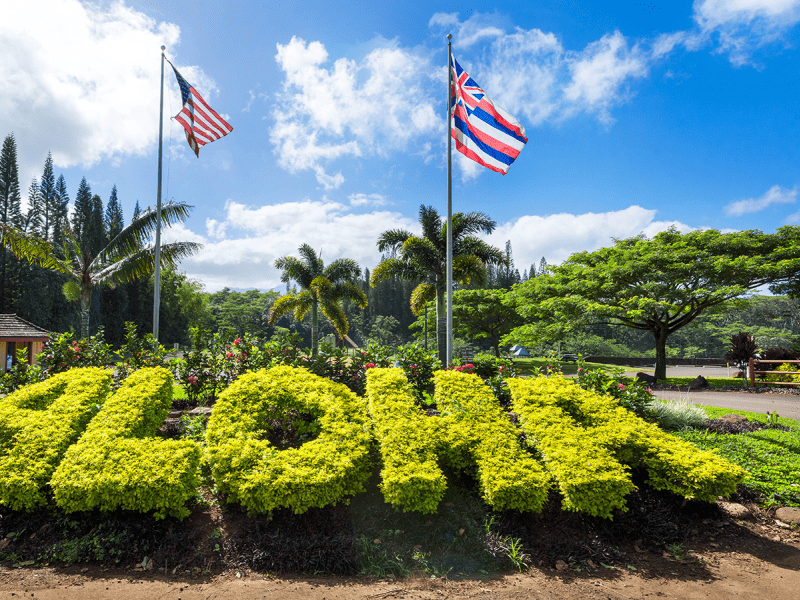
(32, 221)
(10, 214)
(49, 196)
(114, 220)
(60, 216)
(82, 210)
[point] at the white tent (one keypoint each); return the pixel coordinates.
(521, 352)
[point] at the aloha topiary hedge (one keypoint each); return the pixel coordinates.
(411, 478)
(670, 463)
(476, 431)
(323, 471)
(37, 425)
(117, 464)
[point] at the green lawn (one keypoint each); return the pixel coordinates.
(527, 366)
(772, 457)
(713, 381)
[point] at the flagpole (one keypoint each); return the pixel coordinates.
(449, 208)
(157, 276)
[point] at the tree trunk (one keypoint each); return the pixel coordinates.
(314, 330)
(86, 303)
(496, 344)
(441, 328)
(661, 354)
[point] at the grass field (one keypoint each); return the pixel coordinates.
(771, 456)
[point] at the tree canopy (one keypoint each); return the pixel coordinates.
(658, 285)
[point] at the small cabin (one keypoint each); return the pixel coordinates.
(15, 334)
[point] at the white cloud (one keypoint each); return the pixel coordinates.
(74, 80)
(600, 72)
(365, 199)
(376, 105)
(476, 28)
(775, 195)
(745, 25)
(255, 236)
(558, 236)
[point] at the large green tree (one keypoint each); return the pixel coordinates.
(125, 258)
(321, 288)
(658, 285)
(482, 314)
(424, 259)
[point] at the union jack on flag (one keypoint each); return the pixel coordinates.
(483, 131)
(201, 124)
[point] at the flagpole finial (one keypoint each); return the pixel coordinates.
(163, 48)
(449, 37)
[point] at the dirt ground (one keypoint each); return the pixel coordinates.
(750, 558)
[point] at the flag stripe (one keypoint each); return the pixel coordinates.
(200, 122)
(483, 131)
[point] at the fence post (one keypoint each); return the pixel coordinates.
(752, 373)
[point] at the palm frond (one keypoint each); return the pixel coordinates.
(335, 313)
(311, 259)
(351, 291)
(422, 294)
(393, 267)
(142, 263)
(392, 239)
(469, 223)
(35, 250)
(286, 304)
(136, 235)
(342, 269)
(468, 268)
(432, 225)
(486, 252)
(296, 269)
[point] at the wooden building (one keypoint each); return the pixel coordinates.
(15, 334)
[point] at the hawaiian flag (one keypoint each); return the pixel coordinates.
(201, 124)
(483, 131)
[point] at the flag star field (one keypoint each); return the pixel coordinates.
(326, 123)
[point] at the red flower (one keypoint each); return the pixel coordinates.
(229, 355)
(369, 366)
(622, 387)
(236, 341)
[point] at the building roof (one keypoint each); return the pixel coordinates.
(17, 328)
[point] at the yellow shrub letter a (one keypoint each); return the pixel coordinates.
(37, 425)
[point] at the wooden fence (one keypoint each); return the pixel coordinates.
(755, 363)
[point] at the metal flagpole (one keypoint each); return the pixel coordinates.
(449, 208)
(157, 286)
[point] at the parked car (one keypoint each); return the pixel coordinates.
(569, 358)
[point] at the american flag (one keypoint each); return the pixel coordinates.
(201, 123)
(483, 131)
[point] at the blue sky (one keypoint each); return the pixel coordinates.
(639, 115)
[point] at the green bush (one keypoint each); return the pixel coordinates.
(671, 464)
(589, 476)
(674, 415)
(476, 431)
(37, 425)
(117, 464)
(320, 472)
(783, 378)
(411, 478)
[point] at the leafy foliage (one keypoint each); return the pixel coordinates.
(657, 285)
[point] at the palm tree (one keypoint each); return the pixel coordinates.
(321, 287)
(424, 259)
(123, 259)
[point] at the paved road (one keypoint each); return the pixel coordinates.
(787, 406)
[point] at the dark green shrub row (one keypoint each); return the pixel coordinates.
(477, 431)
(37, 425)
(262, 478)
(117, 464)
(411, 478)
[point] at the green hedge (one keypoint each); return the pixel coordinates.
(37, 425)
(117, 464)
(477, 431)
(671, 464)
(320, 472)
(590, 478)
(411, 478)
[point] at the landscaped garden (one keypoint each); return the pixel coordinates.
(376, 462)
